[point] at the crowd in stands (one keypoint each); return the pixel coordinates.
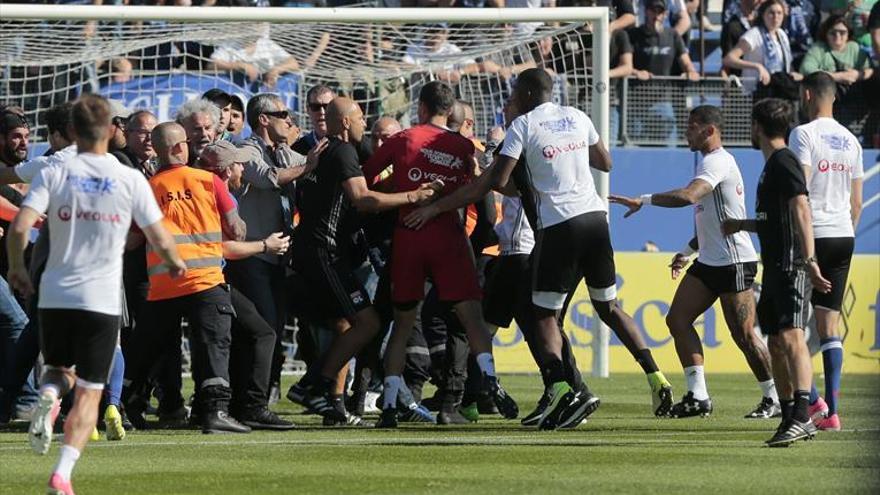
(767, 47)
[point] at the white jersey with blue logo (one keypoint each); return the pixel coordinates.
(90, 202)
(555, 141)
(835, 158)
(726, 201)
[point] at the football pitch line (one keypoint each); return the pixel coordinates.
(564, 440)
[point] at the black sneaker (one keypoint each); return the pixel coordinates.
(451, 418)
(176, 419)
(136, 417)
(561, 397)
(505, 403)
(690, 407)
(791, 431)
(583, 405)
(534, 417)
(485, 405)
(433, 403)
(388, 419)
(222, 422)
(264, 419)
(126, 423)
(768, 408)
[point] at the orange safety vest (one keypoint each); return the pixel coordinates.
(186, 198)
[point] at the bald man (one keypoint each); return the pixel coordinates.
(330, 198)
(193, 203)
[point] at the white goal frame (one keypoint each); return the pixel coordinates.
(597, 15)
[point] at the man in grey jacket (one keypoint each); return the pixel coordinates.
(266, 206)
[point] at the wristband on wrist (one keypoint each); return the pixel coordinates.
(687, 251)
(646, 199)
(265, 247)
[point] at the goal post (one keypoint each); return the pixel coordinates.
(153, 56)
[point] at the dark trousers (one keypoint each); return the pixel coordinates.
(264, 284)
(250, 359)
(209, 314)
(21, 346)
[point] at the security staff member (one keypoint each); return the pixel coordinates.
(198, 210)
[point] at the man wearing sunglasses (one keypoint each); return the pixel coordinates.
(317, 99)
(266, 205)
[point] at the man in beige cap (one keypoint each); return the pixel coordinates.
(119, 114)
(253, 340)
(225, 159)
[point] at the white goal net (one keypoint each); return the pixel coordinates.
(158, 65)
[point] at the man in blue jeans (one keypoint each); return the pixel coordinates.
(16, 400)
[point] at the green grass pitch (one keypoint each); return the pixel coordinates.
(621, 449)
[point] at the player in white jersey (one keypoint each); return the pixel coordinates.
(832, 160)
(724, 269)
(90, 202)
(572, 241)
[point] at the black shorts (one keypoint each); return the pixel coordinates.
(333, 287)
(507, 289)
(834, 255)
(784, 302)
(725, 279)
(84, 339)
(578, 247)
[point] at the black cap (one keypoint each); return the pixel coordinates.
(652, 4)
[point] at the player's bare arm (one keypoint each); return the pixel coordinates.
(600, 158)
(16, 242)
(367, 201)
(683, 257)
(276, 244)
(855, 201)
(803, 219)
(732, 226)
(677, 198)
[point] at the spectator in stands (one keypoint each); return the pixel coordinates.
(657, 49)
(199, 119)
(874, 29)
(676, 18)
(435, 44)
(738, 17)
(860, 21)
(236, 118)
(139, 141)
(764, 49)
(260, 60)
(621, 13)
(837, 54)
(802, 20)
(223, 100)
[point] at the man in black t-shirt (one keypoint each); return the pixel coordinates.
(330, 198)
(656, 48)
(784, 228)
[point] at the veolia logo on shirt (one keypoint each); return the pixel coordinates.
(416, 174)
(551, 151)
(739, 189)
(65, 213)
(825, 166)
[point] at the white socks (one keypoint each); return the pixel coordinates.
(486, 363)
(768, 388)
(392, 387)
(66, 460)
(696, 382)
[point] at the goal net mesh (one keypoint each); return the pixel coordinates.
(160, 65)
